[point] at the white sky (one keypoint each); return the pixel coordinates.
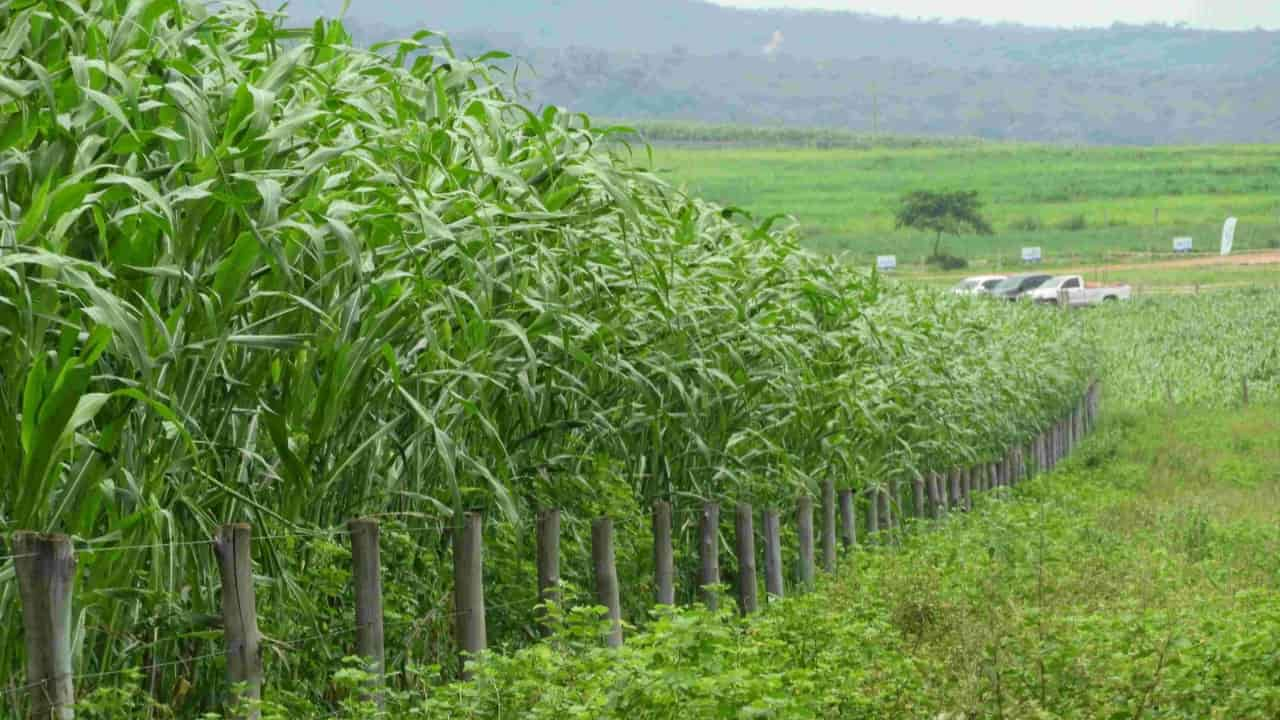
(1223, 14)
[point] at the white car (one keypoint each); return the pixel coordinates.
(977, 285)
(1076, 292)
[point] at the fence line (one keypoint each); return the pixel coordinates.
(45, 567)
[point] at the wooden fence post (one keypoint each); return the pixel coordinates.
(934, 496)
(664, 566)
(45, 566)
(772, 555)
(468, 588)
(873, 514)
(917, 496)
(955, 491)
(884, 514)
(1055, 436)
(709, 553)
(366, 571)
(804, 525)
(607, 577)
(746, 536)
(848, 531)
(547, 551)
(232, 547)
(829, 526)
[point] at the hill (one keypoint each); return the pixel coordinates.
(692, 60)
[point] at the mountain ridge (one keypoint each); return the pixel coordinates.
(690, 60)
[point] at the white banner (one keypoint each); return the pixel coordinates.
(886, 262)
(1182, 244)
(1228, 235)
(1030, 254)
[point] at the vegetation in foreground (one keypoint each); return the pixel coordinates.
(1078, 204)
(256, 274)
(1135, 582)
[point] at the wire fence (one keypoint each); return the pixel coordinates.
(469, 609)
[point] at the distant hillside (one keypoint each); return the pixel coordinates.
(689, 60)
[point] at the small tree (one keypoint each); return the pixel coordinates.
(943, 212)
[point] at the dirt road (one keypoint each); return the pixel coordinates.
(1260, 257)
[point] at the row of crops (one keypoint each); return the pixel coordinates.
(1202, 350)
(255, 274)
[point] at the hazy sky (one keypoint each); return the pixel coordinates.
(1225, 14)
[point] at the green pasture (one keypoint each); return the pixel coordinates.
(1078, 204)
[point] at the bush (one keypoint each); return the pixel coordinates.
(947, 262)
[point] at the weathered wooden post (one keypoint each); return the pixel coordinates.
(468, 588)
(664, 566)
(709, 553)
(746, 536)
(772, 554)
(829, 526)
(848, 532)
(547, 551)
(45, 566)
(804, 526)
(935, 511)
(954, 492)
(607, 578)
(232, 547)
(366, 571)
(873, 514)
(884, 514)
(917, 497)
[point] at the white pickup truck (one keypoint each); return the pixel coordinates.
(1076, 292)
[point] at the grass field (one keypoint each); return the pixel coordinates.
(1079, 205)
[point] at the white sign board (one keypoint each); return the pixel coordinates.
(1031, 254)
(1182, 244)
(1228, 235)
(887, 262)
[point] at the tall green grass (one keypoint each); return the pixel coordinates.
(250, 273)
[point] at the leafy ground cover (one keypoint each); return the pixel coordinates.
(1078, 204)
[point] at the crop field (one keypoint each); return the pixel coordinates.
(251, 275)
(1079, 204)
(255, 276)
